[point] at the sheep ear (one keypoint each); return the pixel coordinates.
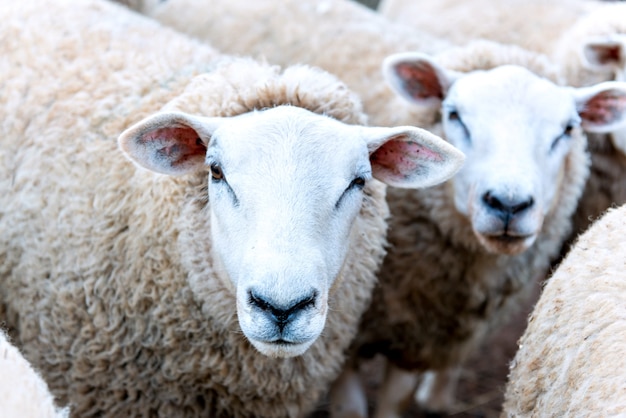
(417, 78)
(411, 157)
(169, 143)
(602, 107)
(604, 54)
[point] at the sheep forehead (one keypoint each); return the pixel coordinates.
(513, 101)
(290, 143)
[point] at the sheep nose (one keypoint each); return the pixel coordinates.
(506, 206)
(281, 315)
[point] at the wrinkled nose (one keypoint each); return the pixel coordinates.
(506, 207)
(281, 314)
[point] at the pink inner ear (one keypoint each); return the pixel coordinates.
(603, 54)
(604, 108)
(402, 158)
(419, 80)
(175, 144)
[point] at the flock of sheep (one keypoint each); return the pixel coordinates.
(227, 207)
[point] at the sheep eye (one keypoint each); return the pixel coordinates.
(568, 130)
(453, 115)
(216, 172)
(358, 182)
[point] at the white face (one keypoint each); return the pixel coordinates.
(281, 228)
(516, 138)
(285, 187)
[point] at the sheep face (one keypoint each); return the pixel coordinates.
(516, 130)
(285, 186)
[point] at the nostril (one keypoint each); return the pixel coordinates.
(522, 205)
(305, 303)
(507, 205)
(492, 201)
(259, 302)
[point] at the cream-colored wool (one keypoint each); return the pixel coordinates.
(340, 36)
(531, 24)
(105, 268)
(23, 393)
(440, 290)
(570, 361)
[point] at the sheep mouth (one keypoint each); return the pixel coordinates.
(282, 348)
(506, 243)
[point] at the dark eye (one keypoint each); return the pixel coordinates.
(216, 172)
(453, 116)
(567, 132)
(358, 182)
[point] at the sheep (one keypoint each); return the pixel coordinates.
(585, 38)
(184, 233)
(339, 36)
(23, 393)
(571, 359)
(465, 254)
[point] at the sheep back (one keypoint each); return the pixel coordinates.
(571, 359)
(349, 41)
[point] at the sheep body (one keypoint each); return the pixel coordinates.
(441, 291)
(108, 276)
(23, 393)
(533, 25)
(448, 279)
(570, 360)
(350, 41)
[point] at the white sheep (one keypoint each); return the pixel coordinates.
(339, 36)
(224, 273)
(463, 255)
(571, 359)
(23, 393)
(587, 39)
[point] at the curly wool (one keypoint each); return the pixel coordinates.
(23, 393)
(440, 290)
(531, 24)
(106, 268)
(571, 359)
(340, 36)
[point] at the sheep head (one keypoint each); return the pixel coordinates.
(516, 130)
(285, 186)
